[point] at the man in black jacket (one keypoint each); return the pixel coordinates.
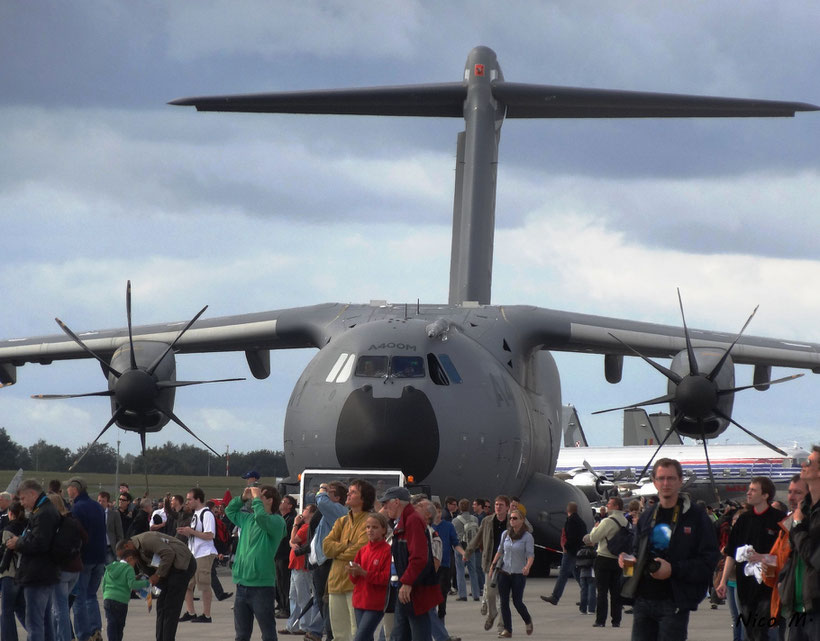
(677, 553)
(572, 538)
(37, 573)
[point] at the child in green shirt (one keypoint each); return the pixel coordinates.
(119, 579)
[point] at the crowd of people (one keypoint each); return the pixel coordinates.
(356, 566)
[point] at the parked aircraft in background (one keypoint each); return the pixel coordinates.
(616, 469)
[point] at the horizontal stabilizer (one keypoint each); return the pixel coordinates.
(546, 101)
(521, 99)
(446, 99)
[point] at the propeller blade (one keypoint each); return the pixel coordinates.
(693, 363)
(51, 397)
(652, 401)
(156, 363)
(176, 420)
(775, 382)
(591, 469)
(708, 462)
(168, 384)
(114, 418)
(144, 461)
(672, 376)
(128, 313)
(759, 439)
(723, 358)
(77, 340)
(671, 431)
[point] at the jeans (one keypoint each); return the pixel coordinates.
(472, 568)
(588, 595)
(367, 622)
(13, 602)
(407, 626)
(318, 614)
(565, 573)
(59, 606)
(39, 623)
(658, 620)
(115, 614)
(803, 627)
(252, 602)
(301, 589)
(87, 617)
(608, 580)
(512, 584)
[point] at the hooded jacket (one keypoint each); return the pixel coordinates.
(34, 546)
(693, 554)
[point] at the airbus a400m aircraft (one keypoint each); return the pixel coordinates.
(463, 396)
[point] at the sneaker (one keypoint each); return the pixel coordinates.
(529, 628)
(489, 622)
(96, 636)
(187, 617)
(283, 631)
(461, 598)
(310, 636)
(549, 599)
(598, 625)
(201, 619)
(616, 625)
(504, 634)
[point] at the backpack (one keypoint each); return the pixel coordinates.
(621, 541)
(470, 530)
(222, 538)
(67, 541)
(585, 557)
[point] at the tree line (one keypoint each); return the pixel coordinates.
(163, 459)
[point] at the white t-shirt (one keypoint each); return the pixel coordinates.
(202, 521)
(162, 515)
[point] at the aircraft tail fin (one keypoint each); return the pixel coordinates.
(571, 426)
(642, 429)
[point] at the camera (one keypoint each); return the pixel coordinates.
(653, 566)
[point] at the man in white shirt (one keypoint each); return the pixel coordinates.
(200, 535)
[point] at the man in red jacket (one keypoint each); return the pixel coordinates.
(419, 591)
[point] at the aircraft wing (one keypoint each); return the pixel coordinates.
(573, 332)
(280, 329)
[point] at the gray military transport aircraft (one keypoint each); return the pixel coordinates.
(462, 396)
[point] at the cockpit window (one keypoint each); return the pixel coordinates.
(372, 367)
(450, 368)
(407, 367)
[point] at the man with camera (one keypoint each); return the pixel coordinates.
(676, 550)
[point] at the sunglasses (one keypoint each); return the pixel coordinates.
(514, 518)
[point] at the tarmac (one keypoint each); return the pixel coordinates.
(562, 622)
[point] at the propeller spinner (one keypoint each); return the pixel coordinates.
(142, 393)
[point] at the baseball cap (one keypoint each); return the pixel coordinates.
(251, 474)
(395, 492)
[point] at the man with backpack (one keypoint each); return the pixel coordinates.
(37, 573)
(611, 536)
(466, 525)
(91, 515)
(201, 533)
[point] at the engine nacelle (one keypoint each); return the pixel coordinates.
(696, 397)
(136, 390)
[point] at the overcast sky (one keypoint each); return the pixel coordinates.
(102, 182)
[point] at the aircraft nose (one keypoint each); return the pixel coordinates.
(392, 433)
